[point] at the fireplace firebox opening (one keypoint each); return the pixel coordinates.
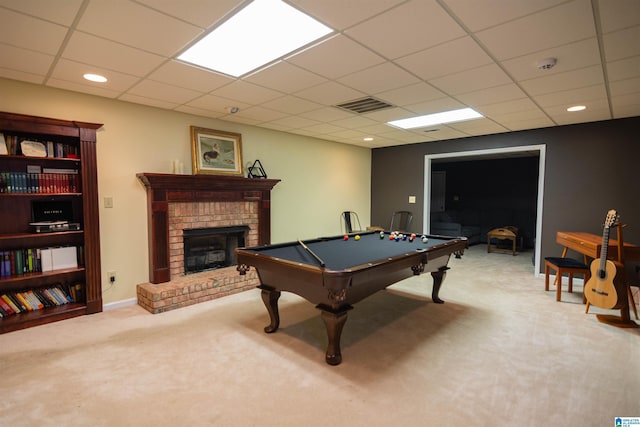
(212, 247)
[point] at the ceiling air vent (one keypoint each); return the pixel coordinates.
(364, 105)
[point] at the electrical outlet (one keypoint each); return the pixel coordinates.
(112, 277)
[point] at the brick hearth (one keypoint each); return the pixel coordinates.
(177, 202)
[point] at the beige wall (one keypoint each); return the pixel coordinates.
(319, 178)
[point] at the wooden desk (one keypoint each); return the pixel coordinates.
(590, 245)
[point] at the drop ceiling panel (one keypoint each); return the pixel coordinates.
(24, 60)
(624, 87)
(624, 68)
(483, 77)
(340, 14)
(146, 29)
(452, 57)
(292, 105)
(164, 92)
(492, 95)
(130, 97)
(60, 12)
(571, 97)
(203, 13)
(618, 14)
(336, 57)
(177, 73)
(379, 78)
(78, 87)
(411, 94)
(479, 15)
(540, 31)
(17, 30)
(622, 44)
(285, 77)
(70, 71)
(434, 106)
(416, 25)
(246, 92)
(569, 57)
(330, 93)
(109, 55)
(563, 81)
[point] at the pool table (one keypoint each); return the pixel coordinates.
(335, 273)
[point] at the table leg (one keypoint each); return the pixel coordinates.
(270, 298)
(438, 277)
(334, 322)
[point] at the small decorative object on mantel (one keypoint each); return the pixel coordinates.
(256, 170)
(216, 152)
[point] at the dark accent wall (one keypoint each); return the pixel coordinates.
(590, 168)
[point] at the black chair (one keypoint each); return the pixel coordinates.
(350, 222)
(401, 221)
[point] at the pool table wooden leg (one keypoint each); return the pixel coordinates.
(270, 298)
(334, 322)
(438, 277)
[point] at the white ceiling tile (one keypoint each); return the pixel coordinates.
(203, 13)
(571, 97)
(379, 78)
(481, 126)
(216, 104)
(588, 76)
(453, 56)
(200, 111)
(507, 117)
(152, 102)
(296, 122)
(563, 117)
(60, 12)
(618, 14)
(322, 128)
(472, 80)
(624, 68)
(524, 124)
(410, 94)
(340, 14)
(246, 92)
(147, 29)
(336, 57)
(434, 106)
(622, 44)
(18, 30)
(571, 56)
(163, 92)
(72, 71)
(501, 108)
(626, 105)
(285, 77)
(109, 55)
(24, 60)
(327, 114)
(291, 105)
(177, 73)
(540, 31)
(76, 87)
(478, 15)
(330, 93)
(492, 95)
(413, 26)
(21, 76)
(260, 114)
(355, 122)
(625, 87)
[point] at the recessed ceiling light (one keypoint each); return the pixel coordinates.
(260, 33)
(577, 108)
(95, 78)
(368, 138)
(436, 119)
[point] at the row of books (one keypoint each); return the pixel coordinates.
(16, 262)
(22, 182)
(53, 149)
(12, 303)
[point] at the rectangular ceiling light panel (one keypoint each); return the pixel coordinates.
(262, 32)
(436, 119)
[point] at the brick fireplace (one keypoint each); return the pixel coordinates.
(185, 202)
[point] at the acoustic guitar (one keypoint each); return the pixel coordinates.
(600, 289)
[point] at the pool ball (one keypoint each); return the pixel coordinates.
(346, 237)
(425, 240)
(357, 237)
(392, 236)
(382, 234)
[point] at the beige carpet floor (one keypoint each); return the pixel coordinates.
(500, 351)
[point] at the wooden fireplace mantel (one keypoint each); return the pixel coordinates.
(163, 189)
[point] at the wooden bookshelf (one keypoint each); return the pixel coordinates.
(77, 143)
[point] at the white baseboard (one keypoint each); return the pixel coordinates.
(119, 304)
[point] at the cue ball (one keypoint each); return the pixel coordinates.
(357, 237)
(425, 240)
(346, 237)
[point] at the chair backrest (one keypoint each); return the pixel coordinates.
(350, 222)
(401, 221)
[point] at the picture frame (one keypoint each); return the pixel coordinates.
(216, 152)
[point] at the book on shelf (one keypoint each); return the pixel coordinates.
(19, 302)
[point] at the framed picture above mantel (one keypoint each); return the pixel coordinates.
(216, 152)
